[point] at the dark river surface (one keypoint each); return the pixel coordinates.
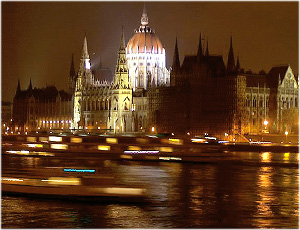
(253, 190)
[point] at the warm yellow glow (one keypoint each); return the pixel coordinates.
(87, 64)
(286, 156)
(198, 140)
(11, 179)
(54, 138)
(130, 191)
(76, 140)
(136, 148)
(43, 139)
(31, 139)
(35, 145)
(266, 157)
(266, 122)
(166, 149)
(63, 181)
(125, 156)
(152, 129)
(175, 141)
(59, 146)
(21, 152)
(170, 158)
(104, 147)
(112, 140)
(286, 133)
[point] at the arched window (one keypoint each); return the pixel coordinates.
(254, 102)
(260, 102)
(247, 101)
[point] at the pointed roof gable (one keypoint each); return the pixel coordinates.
(274, 74)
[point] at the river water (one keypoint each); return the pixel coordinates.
(253, 190)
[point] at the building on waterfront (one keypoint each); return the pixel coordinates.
(122, 105)
(38, 109)
(220, 99)
(201, 95)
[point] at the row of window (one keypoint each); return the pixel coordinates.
(253, 103)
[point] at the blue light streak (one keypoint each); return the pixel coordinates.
(80, 170)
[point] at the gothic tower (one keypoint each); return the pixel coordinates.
(72, 77)
(175, 66)
(120, 113)
(84, 80)
(230, 62)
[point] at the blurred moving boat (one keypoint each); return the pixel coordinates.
(71, 188)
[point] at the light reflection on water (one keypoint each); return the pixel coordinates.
(260, 190)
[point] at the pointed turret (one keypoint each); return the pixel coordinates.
(85, 57)
(176, 61)
(30, 85)
(121, 79)
(206, 52)
(122, 40)
(144, 19)
(18, 88)
(200, 51)
(72, 68)
(85, 54)
(230, 62)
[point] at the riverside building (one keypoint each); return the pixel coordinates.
(211, 96)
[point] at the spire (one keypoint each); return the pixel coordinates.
(30, 85)
(176, 61)
(19, 87)
(230, 61)
(206, 52)
(85, 54)
(85, 57)
(122, 40)
(121, 78)
(72, 68)
(144, 19)
(200, 52)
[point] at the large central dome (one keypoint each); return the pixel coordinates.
(144, 40)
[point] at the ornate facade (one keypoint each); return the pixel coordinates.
(146, 58)
(41, 109)
(225, 100)
(201, 95)
(122, 105)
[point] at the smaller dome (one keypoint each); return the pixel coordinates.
(144, 41)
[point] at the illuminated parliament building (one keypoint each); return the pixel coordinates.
(200, 95)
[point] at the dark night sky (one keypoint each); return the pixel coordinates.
(38, 38)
